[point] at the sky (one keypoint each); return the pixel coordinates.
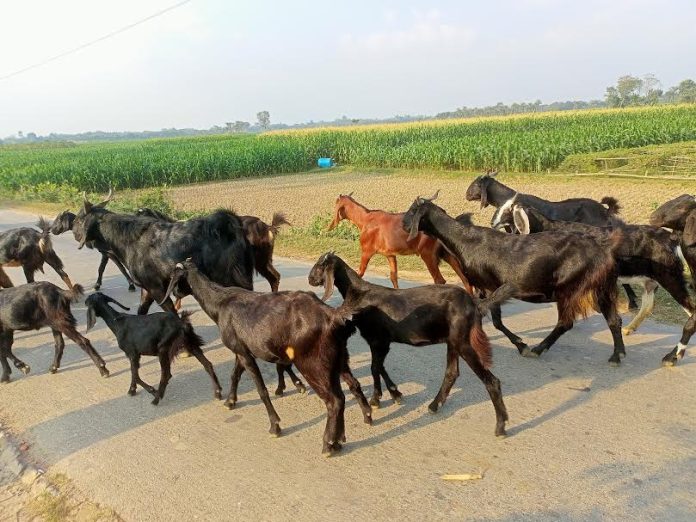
(212, 61)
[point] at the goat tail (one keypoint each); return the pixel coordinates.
(499, 296)
(188, 340)
(278, 220)
(480, 343)
(74, 294)
(612, 205)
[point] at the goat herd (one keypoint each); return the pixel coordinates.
(571, 252)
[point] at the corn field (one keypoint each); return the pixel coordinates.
(521, 143)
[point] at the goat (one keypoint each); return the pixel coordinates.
(381, 233)
(575, 272)
(679, 214)
(150, 248)
(161, 334)
(64, 222)
(416, 316)
(287, 327)
(489, 190)
(646, 254)
(33, 306)
(261, 237)
(30, 249)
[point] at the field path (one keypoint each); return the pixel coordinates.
(585, 440)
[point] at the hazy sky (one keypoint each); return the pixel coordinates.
(212, 61)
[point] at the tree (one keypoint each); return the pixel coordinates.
(264, 119)
(625, 93)
(241, 126)
(228, 126)
(686, 91)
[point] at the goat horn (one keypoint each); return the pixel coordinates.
(109, 197)
(84, 196)
(351, 193)
(433, 197)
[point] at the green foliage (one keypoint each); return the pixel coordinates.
(530, 143)
(318, 227)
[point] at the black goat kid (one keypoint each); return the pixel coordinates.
(30, 249)
(162, 335)
(64, 222)
(33, 306)
(285, 327)
(417, 316)
(575, 272)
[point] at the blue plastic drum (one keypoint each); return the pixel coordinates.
(325, 163)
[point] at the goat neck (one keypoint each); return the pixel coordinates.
(108, 314)
(209, 295)
(438, 224)
(355, 212)
(498, 193)
(351, 286)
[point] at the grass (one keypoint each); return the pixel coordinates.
(520, 143)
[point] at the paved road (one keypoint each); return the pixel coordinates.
(585, 440)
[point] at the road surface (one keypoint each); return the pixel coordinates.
(585, 440)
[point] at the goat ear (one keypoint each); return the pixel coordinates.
(91, 318)
(328, 284)
(484, 191)
(689, 234)
(112, 300)
(521, 219)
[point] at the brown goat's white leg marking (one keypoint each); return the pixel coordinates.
(647, 303)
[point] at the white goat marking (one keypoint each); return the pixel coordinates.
(497, 217)
(680, 254)
(681, 348)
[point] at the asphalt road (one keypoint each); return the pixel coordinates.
(585, 440)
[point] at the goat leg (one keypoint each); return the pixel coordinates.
(6, 338)
(282, 369)
(166, 375)
(678, 352)
(451, 374)
(250, 365)
(5, 281)
(86, 346)
(198, 354)
(354, 387)
(496, 318)
(117, 262)
(560, 328)
(632, 297)
(607, 305)
(59, 347)
(100, 271)
(237, 372)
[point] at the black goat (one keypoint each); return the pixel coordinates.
(162, 334)
(647, 255)
(150, 248)
(489, 190)
(577, 273)
(64, 222)
(33, 306)
(417, 316)
(286, 327)
(261, 237)
(30, 249)
(679, 214)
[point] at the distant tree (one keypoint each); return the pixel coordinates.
(264, 119)
(241, 126)
(686, 91)
(626, 92)
(20, 135)
(228, 126)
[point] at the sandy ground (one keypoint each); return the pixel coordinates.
(586, 441)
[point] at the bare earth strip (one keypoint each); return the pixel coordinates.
(586, 441)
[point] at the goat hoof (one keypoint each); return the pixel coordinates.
(230, 404)
(614, 361)
(367, 417)
(528, 352)
(374, 403)
(275, 430)
(627, 331)
(184, 354)
(97, 287)
(131, 392)
(301, 387)
(131, 288)
(218, 395)
(5, 379)
(53, 369)
(103, 371)
(433, 407)
(26, 369)
(500, 432)
(155, 401)
(279, 392)
(332, 449)
(398, 400)
(669, 362)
